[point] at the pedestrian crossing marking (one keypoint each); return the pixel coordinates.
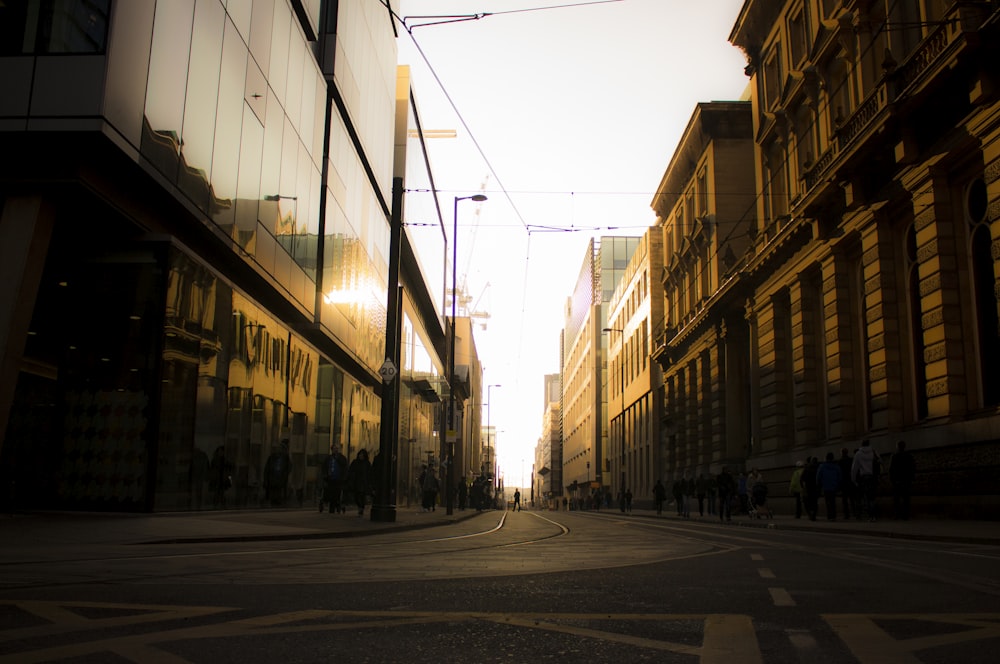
(872, 644)
(723, 637)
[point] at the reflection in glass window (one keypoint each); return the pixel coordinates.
(53, 26)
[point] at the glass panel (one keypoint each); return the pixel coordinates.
(277, 72)
(17, 30)
(248, 187)
(260, 33)
(168, 62)
(240, 11)
(198, 135)
(297, 55)
(226, 154)
(70, 26)
(270, 169)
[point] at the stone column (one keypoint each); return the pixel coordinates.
(881, 268)
(752, 445)
(772, 404)
(839, 346)
(803, 362)
(940, 291)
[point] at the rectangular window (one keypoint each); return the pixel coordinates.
(772, 78)
(798, 38)
(53, 26)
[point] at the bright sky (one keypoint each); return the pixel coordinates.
(569, 112)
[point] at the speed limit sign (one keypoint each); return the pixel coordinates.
(387, 370)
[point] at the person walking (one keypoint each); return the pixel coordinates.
(701, 492)
(628, 500)
(902, 469)
(517, 500)
(276, 471)
(742, 485)
(463, 494)
(757, 488)
(810, 488)
(688, 495)
(430, 487)
(359, 480)
(864, 473)
(659, 496)
(848, 494)
(828, 480)
(677, 490)
(334, 475)
(795, 487)
(727, 489)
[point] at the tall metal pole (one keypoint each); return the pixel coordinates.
(451, 432)
(384, 507)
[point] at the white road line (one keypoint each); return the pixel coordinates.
(756, 556)
(765, 573)
(781, 597)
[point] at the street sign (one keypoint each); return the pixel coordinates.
(387, 371)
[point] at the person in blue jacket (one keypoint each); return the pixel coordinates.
(828, 479)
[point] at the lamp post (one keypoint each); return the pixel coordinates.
(621, 388)
(451, 432)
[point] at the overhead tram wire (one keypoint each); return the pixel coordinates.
(461, 119)
(459, 18)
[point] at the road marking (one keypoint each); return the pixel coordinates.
(765, 573)
(802, 639)
(780, 597)
(756, 557)
(873, 645)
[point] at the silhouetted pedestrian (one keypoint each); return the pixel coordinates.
(864, 473)
(828, 479)
(659, 496)
(902, 470)
(359, 480)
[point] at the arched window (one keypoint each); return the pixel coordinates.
(985, 304)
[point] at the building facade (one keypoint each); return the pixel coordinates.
(634, 382)
(548, 486)
(873, 268)
(705, 212)
(197, 225)
(584, 396)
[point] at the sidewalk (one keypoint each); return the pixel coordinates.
(934, 530)
(37, 536)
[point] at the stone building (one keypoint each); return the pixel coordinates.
(705, 214)
(872, 274)
(584, 397)
(633, 380)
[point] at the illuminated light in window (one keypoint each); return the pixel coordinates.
(135, 317)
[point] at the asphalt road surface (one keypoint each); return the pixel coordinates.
(512, 587)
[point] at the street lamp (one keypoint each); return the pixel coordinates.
(621, 388)
(451, 431)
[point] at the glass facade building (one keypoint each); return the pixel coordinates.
(195, 208)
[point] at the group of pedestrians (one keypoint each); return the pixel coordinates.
(854, 480)
(340, 480)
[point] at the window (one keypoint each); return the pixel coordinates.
(53, 26)
(798, 38)
(772, 78)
